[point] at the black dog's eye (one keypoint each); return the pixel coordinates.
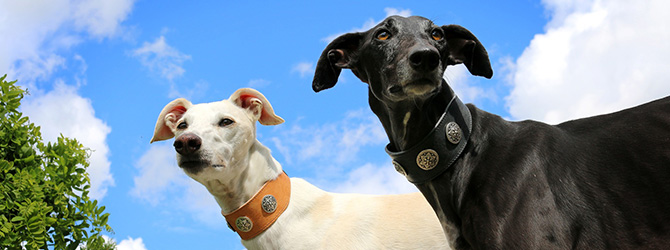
(182, 125)
(437, 35)
(225, 122)
(383, 35)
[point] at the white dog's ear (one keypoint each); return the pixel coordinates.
(257, 104)
(168, 118)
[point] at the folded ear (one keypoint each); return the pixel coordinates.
(258, 106)
(168, 118)
(340, 53)
(463, 47)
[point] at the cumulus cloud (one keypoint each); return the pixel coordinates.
(371, 22)
(166, 61)
(159, 177)
(35, 34)
(303, 68)
(37, 31)
(343, 155)
(200, 204)
(100, 18)
(63, 111)
(131, 244)
(331, 143)
(373, 179)
(161, 58)
(457, 76)
(158, 173)
(594, 57)
(397, 12)
(258, 83)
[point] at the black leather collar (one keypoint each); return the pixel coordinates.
(439, 149)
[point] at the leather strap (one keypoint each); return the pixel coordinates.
(439, 149)
(262, 210)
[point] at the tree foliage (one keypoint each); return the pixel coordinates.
(44, 202)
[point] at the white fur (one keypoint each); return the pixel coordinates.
(315, 219)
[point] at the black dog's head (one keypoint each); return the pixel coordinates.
(401, 58)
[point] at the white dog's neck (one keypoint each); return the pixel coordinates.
(254, 169)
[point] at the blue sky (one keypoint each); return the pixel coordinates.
(101, 71)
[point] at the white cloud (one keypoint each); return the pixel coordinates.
(100, 18)
(372, 179)
(63, 111)
(158, 173)
(331, 143)
(303, 68)
(258, 83)
(166, 61)
(397, 12)
(160, 57)
(131, 244)
(371, 22)
(160, 177)
(595, 57)
(189, 91)
(341, 156)
(457, 76)
(200, 204)
(561, 9)
(36, 31)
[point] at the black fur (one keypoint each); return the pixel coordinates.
(596, 183)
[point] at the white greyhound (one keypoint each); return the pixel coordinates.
(216, 145)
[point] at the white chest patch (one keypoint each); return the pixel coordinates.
(406, 119)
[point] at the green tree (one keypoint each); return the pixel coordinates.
(44, 202)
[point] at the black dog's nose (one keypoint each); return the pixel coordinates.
(187, 144)
(424, 59)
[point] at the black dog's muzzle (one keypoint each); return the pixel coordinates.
(439, 149)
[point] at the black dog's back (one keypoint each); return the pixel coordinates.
(601, 182)
(627, 159)
(637, 140)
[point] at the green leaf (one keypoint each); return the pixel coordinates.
(13, 93)
(50, 220)
(44, 187)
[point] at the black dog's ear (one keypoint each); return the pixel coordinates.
(465, 48)
(338, 54)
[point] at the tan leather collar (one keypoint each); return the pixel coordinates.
(262, 210)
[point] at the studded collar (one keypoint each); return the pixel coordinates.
(262, 210)
(439, 149)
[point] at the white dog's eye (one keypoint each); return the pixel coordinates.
(182, 125)
(225, 122)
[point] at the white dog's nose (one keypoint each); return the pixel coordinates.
(187, 144)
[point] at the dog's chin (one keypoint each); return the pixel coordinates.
(413, 89)
(193, 166)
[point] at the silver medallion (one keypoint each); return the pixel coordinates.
(427, 159)
(243, 224)
(269, 204)
(453, 133)
(399, 168)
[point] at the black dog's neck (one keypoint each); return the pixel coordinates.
(407, 123)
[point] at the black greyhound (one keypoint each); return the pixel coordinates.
(596, 183)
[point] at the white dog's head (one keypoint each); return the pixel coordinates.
(212, 139)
